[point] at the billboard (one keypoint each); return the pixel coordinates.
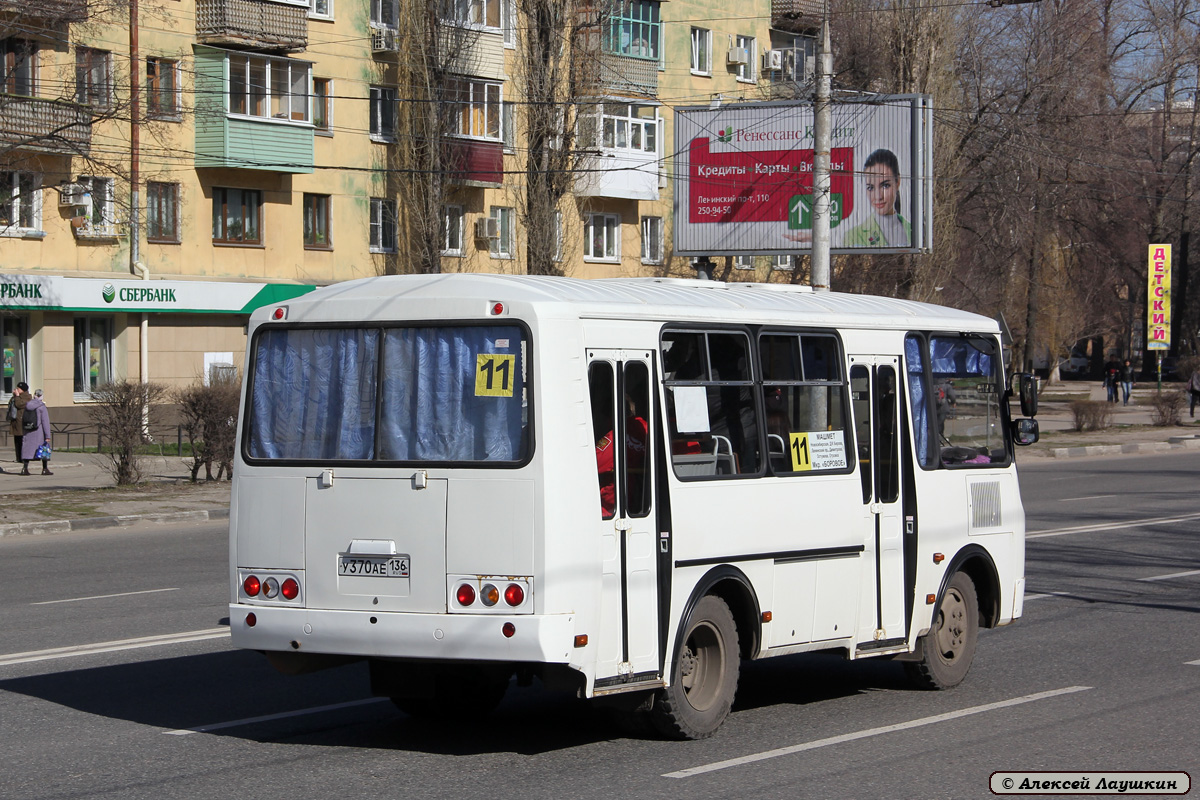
(1158, 298)
(744, 177)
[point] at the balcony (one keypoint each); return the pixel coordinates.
(259, 24)
(46, 126)
(620, 74)
(795, 15)
(474, 162)
(47, 11)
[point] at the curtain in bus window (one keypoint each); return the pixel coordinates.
(314, 394)
(452, 394)
(920, 407)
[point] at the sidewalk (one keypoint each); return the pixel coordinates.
(80, 494)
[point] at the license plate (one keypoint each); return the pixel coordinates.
(373, 566)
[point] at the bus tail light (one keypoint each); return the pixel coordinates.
(289, 589)
(465, 595)
(251, 586)
(509, 630)
(489, 594)
(514, 595)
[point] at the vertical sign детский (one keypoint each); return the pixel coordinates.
(1158, 298)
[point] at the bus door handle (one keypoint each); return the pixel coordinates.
(876, 508)
(622, 525)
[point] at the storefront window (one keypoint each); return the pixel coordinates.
(13, 340)
(93, 354)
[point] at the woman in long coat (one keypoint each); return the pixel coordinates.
(36, 438)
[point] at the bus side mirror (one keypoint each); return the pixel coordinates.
(1027, 391)
(1025, 431)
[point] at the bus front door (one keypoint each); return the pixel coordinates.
(622, 421)
(874, 387)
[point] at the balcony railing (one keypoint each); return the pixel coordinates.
(628, 75)
(48, 126)
(48, 10)
(252, 23)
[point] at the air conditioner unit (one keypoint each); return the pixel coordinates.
(739, 55)
(773, 60)
(384, 40)
(73, 194)
(487, 228)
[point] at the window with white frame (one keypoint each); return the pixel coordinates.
(322, 105)
(509, 23)
(20, 203)
(162, 88)
(100, 215)
(503, 245)
(633, 28)
(383, 226)
(383, 14)
(620, 126)
(783, 263)
(747, 48)
(269, 88)
(476, 13)
(558, 236)
(18, 66)
(93, 354)
(652, 240)
(743, 262)
(508, 127)
(383, 113)
(162, 212)
(701, 51)
(477, 109)
(452, 232)
(321, 9)
(93, 77)
(14, 339)
(601, 237)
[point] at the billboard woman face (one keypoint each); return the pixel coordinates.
(882, 187)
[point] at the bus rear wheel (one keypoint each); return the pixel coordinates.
(704, 677)
(949, 647)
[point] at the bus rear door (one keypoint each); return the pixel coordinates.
(620, 384)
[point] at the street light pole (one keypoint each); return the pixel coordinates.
(822, 147)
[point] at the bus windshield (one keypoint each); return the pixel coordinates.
(424, 394)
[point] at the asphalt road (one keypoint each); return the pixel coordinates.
(1096, 676)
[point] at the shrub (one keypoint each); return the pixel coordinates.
(1167, 407)
(208, 415)
(1090, 415)
(120, 411)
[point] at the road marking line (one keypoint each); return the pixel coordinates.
(1029, 597)
(112, 647)
(1172, 575)
(850, 737)
(269, 717)
(1089, 497)
(1133, 523)
(102, 596)
(1195, 663)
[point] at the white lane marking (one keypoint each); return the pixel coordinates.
(1089, 497)
(1193, 663)
(112, 647)
(1029, 597)
(269, 717)
(850, 737)
(102, 596)
(1133, 523)
(1172, 575)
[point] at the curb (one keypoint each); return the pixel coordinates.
(122, 520)
(1174, 443)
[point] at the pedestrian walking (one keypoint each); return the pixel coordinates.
(36, 422)
(1112, 375)
(16, 413)
(1193, 388)
(1126, 381)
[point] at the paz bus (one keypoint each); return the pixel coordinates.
(621, 487)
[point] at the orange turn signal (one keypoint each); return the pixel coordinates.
(938, 558)
(930, 599)
(766, 616)
(581, 640)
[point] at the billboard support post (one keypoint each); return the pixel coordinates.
(822, 145)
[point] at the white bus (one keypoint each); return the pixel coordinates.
(621, 487)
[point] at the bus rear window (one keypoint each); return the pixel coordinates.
(417, 394)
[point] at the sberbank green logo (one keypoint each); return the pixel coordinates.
(109, 293)
(726, 135)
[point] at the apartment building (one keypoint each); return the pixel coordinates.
(263, 143)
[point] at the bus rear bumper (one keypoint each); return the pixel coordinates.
(545, 638)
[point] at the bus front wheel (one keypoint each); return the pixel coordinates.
(704, 676)
(949, 647)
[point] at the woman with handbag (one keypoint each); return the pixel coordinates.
(37, 436)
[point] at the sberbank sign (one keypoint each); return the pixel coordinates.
(25, 291)
(137, 294)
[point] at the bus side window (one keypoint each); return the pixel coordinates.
(602, 388)
(637, 439)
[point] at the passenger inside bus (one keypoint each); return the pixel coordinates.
(636, 437)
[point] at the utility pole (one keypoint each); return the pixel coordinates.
(822, 147)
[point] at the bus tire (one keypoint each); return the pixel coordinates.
(457, 692)
(704, 676)
(949, 647)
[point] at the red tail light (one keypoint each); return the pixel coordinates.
(251, 586)
(465, 595)
(290, 589)
(514, 595)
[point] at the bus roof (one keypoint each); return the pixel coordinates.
(669, 299)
